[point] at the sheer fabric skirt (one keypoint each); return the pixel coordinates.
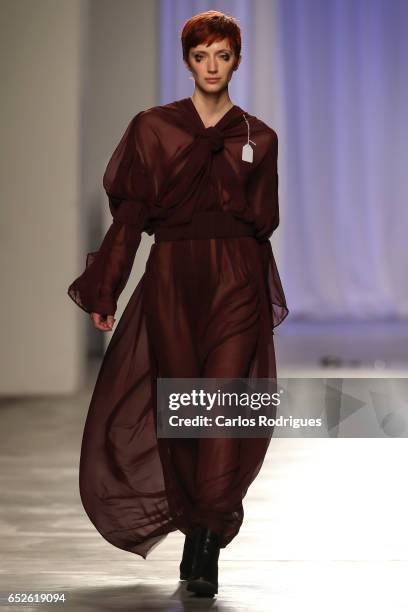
(199, 310)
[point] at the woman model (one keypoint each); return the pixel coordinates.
(199, 173)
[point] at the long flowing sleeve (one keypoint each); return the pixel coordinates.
(107, 270)
(263, 199)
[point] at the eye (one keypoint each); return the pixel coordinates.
(197, 58)
(225, 57)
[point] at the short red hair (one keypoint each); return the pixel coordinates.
(208, 27)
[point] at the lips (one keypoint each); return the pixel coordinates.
(212, 80)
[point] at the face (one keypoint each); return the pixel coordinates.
(214, 62)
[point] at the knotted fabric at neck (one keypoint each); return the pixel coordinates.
(214, 136)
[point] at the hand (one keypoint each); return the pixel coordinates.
(102, 322)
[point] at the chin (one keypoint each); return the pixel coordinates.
(217, 87)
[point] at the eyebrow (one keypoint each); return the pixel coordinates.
(219, 51)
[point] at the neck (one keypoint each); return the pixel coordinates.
(211, 106)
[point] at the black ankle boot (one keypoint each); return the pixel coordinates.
(187, 560)
(204, 574)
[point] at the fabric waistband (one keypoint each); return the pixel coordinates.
(207, 224)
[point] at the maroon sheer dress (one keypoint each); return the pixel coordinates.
(205, 306)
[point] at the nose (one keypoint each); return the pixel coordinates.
(212, 66)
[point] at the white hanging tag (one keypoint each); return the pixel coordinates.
(247, 150)
(247, 153)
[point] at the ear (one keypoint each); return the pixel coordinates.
(238, 62)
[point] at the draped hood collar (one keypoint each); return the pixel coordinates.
(184, 113)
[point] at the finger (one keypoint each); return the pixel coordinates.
(106, 323)
(110, 321)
